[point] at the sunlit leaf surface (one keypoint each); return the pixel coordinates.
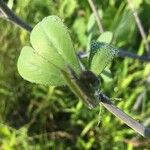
(52, 50)
(100, 55)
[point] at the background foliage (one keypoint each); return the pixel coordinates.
(39, 117)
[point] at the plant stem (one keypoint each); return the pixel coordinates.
(9, 15)
(139, 24)
(74, 85)
(121, 53)
(97, 16)
(135, 125)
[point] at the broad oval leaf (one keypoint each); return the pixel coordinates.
(50, 38)
(37, 69)
(100, 55)
(52, 51)
(105, 37)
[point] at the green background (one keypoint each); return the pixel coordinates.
(40, 117)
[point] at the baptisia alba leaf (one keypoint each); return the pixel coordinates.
(105, 37)
(35, 68)
(51, 52)
(100, 55)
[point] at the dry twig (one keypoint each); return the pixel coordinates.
(139, 24)
(9, 15)
(97, 16)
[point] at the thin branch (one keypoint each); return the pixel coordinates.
(1, 14)
(97, 16)
(139, 24)
(122, 53)
(138, 101)
(9, 15)
(135, 125)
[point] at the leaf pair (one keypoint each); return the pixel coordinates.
(52, 53)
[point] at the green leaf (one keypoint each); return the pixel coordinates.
(79, 28)
(106, 75)
(91, 23)
(148, 2)
(100, 55)
(37, 69)
(50, 38)
(124, 25)
(137, 3)
(105, 37)
(67, 8)
(52, 51)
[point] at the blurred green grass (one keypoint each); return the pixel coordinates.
(38, 117)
